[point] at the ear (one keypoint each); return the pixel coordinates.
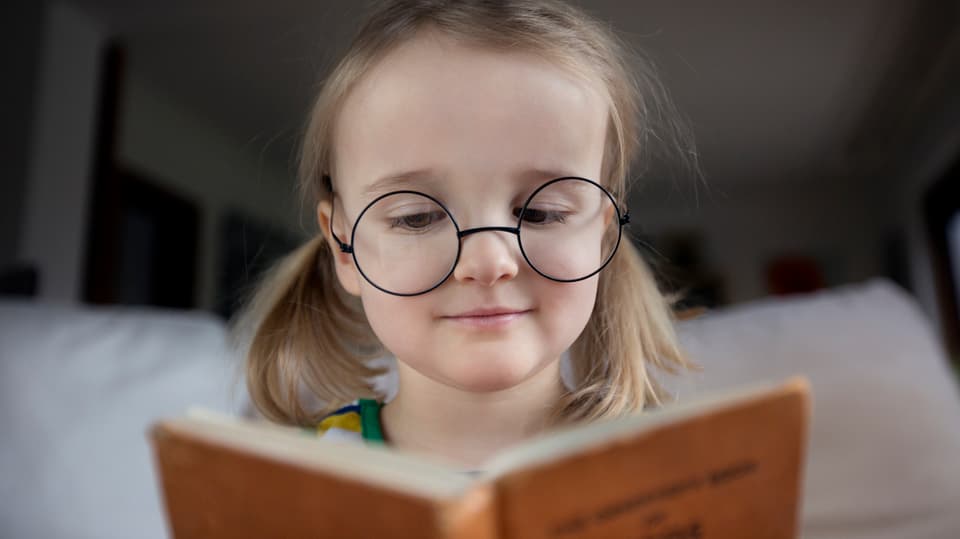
(347, 272)
(608, 214)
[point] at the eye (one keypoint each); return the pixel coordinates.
(417, 221)
(536, 216)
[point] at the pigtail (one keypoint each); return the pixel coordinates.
(306, 332)
(630, 334)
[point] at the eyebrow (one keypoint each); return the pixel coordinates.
(427, 176)
(399, 181)
(544, 173)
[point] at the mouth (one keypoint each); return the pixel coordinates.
(487, 318)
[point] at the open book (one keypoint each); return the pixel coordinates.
(726, 466)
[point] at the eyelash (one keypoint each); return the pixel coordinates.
(551, 216)
(404, 221)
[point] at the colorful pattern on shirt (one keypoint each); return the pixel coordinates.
(356, 422)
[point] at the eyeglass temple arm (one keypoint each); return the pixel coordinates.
(344, 248)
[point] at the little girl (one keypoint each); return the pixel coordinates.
(467, 161)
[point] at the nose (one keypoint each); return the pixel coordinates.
(487, 257)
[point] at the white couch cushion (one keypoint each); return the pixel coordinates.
(884, 452)
(78, 388)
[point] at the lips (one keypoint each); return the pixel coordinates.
(487, 311)
(487, 318)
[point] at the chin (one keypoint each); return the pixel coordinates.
(487, 384)
(494, 375)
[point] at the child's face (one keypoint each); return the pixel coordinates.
(488, 128)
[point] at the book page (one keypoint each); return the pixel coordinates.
(229, 478)
(730, 466)
(564, 442)
(303, 448)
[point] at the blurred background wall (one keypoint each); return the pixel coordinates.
(149, 147)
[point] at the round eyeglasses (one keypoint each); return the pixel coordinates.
(407, 243)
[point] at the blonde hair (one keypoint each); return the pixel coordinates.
(305, 333)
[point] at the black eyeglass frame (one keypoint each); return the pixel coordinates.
(623, 218)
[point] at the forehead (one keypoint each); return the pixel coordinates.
(472, 118)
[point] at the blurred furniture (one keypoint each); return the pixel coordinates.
(941, 210)
(142, 244)
(18, 280)
(885, 436)
(78, 388)
(794, 274)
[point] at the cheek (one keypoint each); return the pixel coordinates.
(393, 318)
(568, 307)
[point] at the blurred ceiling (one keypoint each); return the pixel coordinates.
(776, 91)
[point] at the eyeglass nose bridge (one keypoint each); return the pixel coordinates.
(470, 231)
(513, 230)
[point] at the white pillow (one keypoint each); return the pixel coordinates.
(884, 453)
(78, 388)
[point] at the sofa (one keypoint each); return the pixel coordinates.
(79, 386)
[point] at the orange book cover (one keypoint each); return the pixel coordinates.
(729, 465)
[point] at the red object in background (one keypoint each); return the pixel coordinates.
(794, 275)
